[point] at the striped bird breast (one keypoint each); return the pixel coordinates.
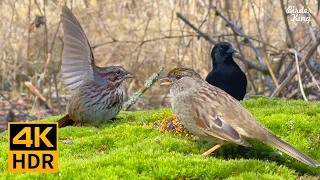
(95, 104)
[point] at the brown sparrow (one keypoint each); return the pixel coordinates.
(97, 90)
(211, 114)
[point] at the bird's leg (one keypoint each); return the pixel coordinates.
(205, 154)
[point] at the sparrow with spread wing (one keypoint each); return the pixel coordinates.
(97, 90)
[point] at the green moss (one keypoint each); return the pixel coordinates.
(131, 148)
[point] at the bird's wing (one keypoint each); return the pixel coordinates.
(239, 84)
(77, 57)
(219, 113)
(232, 112)
(206, 117)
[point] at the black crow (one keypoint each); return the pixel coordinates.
(226, 74)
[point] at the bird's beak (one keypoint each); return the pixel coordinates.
(129, 75)
(164, 81)
(231, 50)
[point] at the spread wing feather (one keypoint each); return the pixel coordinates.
(77, 58)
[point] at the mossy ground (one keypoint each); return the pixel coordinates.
(132, 148)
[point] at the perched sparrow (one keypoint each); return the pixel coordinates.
(225, 73)
(211, 114)
(97, 90)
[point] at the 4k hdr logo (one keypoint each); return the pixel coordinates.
(33, 147)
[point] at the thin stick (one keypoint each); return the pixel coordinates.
(35, 91)
(284, 14)
(57, 91)
(26, 63)
(309, 85)
(238, 29)
(38, 7)
(249, 75)
(47, 64)
(178, 37)
(45, 29)
(299, 78)
(256, 51)
(133, 99)
(104, 25)
(264, 48)
(144, 35)
(293, 71)
(144, 41)
(312, 76)
(208, 38)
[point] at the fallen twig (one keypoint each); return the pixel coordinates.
(299, 78)
(133, 99)
(300, 55)
(36, 92)
(309, 85)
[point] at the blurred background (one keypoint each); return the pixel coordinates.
(141, 35)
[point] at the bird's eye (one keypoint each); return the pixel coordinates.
(221, 49)
(178, 77)
(118, 72)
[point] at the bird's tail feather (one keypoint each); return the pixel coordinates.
(65, 121)
(291, 151)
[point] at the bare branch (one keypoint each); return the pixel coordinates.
(148, 84)
(208, 38)
(256, 51)
(239, 30)
(312, 76)
(293, 71)
(309, 85)
(299, 77)
(264, 47)
(284, 14)
(142, 42)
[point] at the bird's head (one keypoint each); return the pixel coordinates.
(112, 75)
(181, 78)
(222, 52)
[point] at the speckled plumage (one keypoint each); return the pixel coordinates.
(97, 93)
(94, 105)
(213, 114)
